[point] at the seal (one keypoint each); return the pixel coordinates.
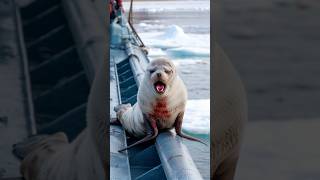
(160, 105)
(229, 117)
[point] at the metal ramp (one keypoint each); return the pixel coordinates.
(58, 82)
(144, 160)
(141, 162)
(127, 84)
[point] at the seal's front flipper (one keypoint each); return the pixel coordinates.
(178, 127)
(151, 134)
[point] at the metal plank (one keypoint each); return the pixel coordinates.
(147, 157)
(37, 6)
(62, 65)
(25, 66)
(50, 100)
(119, 162)
(50, 19)
(73, 118)
(89, 32)
(175, 158)
(16, 113)
(49, 35)
(41, 15)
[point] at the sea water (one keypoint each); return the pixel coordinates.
(180, 30)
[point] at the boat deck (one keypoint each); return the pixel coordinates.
(164, 158)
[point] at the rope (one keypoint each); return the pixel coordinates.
(130, 12)
(130, 18)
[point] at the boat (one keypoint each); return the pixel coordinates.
(53, 84)
(166, 157)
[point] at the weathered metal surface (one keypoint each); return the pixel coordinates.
(53, 70)
(15, 117)
(89, 33)
(155, 173)
(119, 163)
(41, 50)
(175, 158)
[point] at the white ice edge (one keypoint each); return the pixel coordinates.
(197, 116)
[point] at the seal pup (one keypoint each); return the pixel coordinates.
(160, 105)
(52, 157)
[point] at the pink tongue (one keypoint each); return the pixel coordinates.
(160, 88)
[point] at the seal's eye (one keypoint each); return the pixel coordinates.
(167, 71)
(151, 71)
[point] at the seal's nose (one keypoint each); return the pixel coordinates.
(159, 74)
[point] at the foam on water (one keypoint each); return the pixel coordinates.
(197, 116)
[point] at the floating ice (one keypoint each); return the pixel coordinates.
(161, 6)
(197, 116)
(173, 32)
(154, 52)
(174, 42)
(150, 27)
(188, 52)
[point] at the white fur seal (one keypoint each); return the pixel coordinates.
(161, 101)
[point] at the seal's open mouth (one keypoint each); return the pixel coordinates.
(160, 87)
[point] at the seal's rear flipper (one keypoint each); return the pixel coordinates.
(21, 149)
(39, 143)
(151, 134)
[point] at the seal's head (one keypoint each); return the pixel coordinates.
(161, 73)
